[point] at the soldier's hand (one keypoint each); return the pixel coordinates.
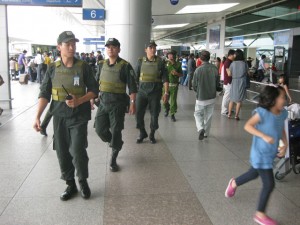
(165, 98)
(132, 109)
(37, 125)
(92, 102)
(73, 103)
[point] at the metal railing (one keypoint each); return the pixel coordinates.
(255, 94)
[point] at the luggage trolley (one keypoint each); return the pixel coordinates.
(291, 161)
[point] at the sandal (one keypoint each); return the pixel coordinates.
(229, 116)
(237, 117)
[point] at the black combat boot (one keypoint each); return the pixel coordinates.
(166, 113)
(173, 118)
(152, 138)
(143, 135)
(84, 189)
(70, 191)
(113, 161)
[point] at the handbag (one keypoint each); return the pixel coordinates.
(247, 77)
(1, 80)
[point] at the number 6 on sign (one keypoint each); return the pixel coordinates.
(93, 14)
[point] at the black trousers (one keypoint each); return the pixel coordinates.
(267, 178)
(142, 101)
(109, 123)
(261, 75)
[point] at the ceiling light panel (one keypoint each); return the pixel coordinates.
(206, 8)
(170, 26)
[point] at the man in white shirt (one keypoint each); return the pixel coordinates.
(39, 61)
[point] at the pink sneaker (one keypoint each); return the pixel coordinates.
(264, 221)
(230, 191)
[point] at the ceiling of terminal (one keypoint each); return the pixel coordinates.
(165, 14)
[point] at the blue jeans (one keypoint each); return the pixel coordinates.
(267, 178)
(182, 79)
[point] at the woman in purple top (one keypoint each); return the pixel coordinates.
(22, 62)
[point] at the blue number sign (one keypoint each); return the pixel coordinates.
(93, 14)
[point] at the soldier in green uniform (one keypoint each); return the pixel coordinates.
(174, 71)
(151, 75)
(113, 75)
(71, 113)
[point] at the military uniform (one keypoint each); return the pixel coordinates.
(150, 75)
(109, 121)
(70, 124)
(173, 88)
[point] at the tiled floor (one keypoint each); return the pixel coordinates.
(180, 180)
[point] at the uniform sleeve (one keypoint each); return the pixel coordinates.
(164, 72)
(99, 68)
(179, 68)
(46, 86)
(138, 71)
(89, 80)
(130, 76)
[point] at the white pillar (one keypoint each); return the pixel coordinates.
(129, 21)
(5, 93)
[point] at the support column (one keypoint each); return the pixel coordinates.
(130, 22)
(216, 33)
(5, 92)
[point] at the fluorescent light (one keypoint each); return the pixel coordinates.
(206, 8)
(170, 26)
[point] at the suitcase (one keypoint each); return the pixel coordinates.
(294, 144)
(23, 78)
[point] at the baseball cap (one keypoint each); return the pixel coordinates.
(151, 43)
(66, 36)
(173, 52)
(112, 41)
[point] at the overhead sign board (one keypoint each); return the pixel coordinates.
(238, 41)
(68, 3)
(93, 14)
(93, 43)
(102, 38)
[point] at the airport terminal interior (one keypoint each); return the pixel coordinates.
(179, 180)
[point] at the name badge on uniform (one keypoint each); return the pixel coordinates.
(76, 80)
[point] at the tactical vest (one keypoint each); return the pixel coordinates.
(71, 78)
(110, 78)
(150, 71)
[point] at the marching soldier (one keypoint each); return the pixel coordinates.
(174, 72)
(71, 84)
(151, 75)
(113, 75)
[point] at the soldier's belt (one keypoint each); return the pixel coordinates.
(173, 84)
(149, 78)
(58, 94)
(111, 87)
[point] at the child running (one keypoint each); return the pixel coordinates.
(267, 127)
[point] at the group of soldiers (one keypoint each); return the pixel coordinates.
(74, 90)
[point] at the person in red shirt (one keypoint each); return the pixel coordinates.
(227, 82)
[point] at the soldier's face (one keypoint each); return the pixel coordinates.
(150, 51)
(112, 51)
(67, 49)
